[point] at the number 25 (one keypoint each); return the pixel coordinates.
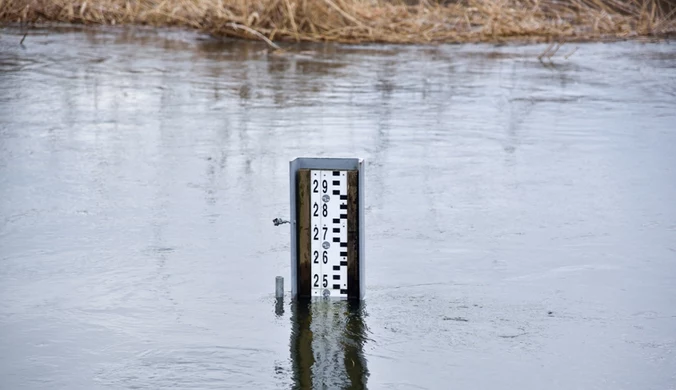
(325, 281)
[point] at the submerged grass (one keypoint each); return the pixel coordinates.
(357, 21)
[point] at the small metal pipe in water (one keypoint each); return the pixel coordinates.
(279, 287)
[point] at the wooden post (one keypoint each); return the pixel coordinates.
(353, 235)
(303, 210)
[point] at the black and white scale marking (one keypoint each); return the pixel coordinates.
(328, 220)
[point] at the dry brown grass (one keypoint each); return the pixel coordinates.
(370, 20)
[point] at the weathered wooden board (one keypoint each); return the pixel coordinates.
(304, 242)
(353, 235)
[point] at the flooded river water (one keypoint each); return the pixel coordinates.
(520, 215)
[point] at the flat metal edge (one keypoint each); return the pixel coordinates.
(293, 170)
(327, 163)
(362, 230)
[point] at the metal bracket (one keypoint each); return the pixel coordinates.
(279, 221)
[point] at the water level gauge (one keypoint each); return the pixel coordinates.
(326, 233)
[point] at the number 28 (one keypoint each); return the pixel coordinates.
(325, 210)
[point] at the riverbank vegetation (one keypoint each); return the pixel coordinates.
(392, 21)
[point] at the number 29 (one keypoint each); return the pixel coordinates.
(315, 186)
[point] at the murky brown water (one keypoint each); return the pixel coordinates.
(521, 216)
